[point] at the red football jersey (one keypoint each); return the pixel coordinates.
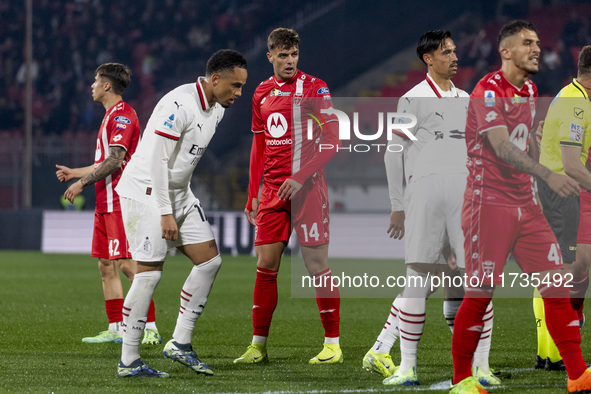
(120, 127)
(495, 102)
(283, 110)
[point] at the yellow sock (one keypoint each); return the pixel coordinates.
(546, 346)
(553, 353)
(543, 335)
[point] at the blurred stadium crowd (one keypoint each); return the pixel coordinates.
(163, 42)
(563, 31)
(166, 41)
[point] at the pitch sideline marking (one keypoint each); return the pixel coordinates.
(406, 389)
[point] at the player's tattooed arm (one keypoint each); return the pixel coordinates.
(511, 154)
(533, 150)
(107, 167)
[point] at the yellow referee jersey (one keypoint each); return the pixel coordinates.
(568, 123)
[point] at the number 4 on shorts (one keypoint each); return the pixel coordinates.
(554, 254)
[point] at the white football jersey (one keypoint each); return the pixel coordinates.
(440, 147)
(440, 130)
(175, 138)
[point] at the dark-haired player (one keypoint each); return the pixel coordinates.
(116, 142)
(160, 211)
(501, 216)
(428, 211)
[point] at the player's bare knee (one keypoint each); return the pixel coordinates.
(583, 260)
(269, 262)
(315, 266)
(453, 288)
(269, 256)
(315, 258)
(200, 253)
(128, 267)
(107, 268)
(424, 268)
(145, 266)
(568, 268)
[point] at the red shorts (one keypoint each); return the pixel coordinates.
(108, 239)
(584, 235)
(491, 232)
(308, 210)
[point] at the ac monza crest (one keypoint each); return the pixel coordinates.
(488, 268)
(297, 98)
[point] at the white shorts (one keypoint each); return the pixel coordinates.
(144, 233)
(433, 210)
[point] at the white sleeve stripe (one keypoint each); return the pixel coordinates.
(124, 147)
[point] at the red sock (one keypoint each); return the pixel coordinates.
(114, 309)
(467, 329)
(329, 302)
(577, 292)
(265, 300)
(563, 325)
(151, 312)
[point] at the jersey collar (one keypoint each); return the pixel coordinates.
(515, 87)
(580, 87)
(201, 92)
(114, 107)
(438, 92)
(287, 81)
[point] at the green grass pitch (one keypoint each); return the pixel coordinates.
(49, 302)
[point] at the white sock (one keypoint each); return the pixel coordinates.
(483, 349)
(152, 326)
(411, 319)
(407, 360)
(331, 340)
(450, 309)
(116, 328)
(390, 332)
(194, 297)
(259, 339)
(135, 313)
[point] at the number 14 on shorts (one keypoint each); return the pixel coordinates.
(313, 232)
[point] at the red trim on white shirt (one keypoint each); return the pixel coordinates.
(402, 135)
(433, 86)
(435, 89)
(202, 96)
(163, 134)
